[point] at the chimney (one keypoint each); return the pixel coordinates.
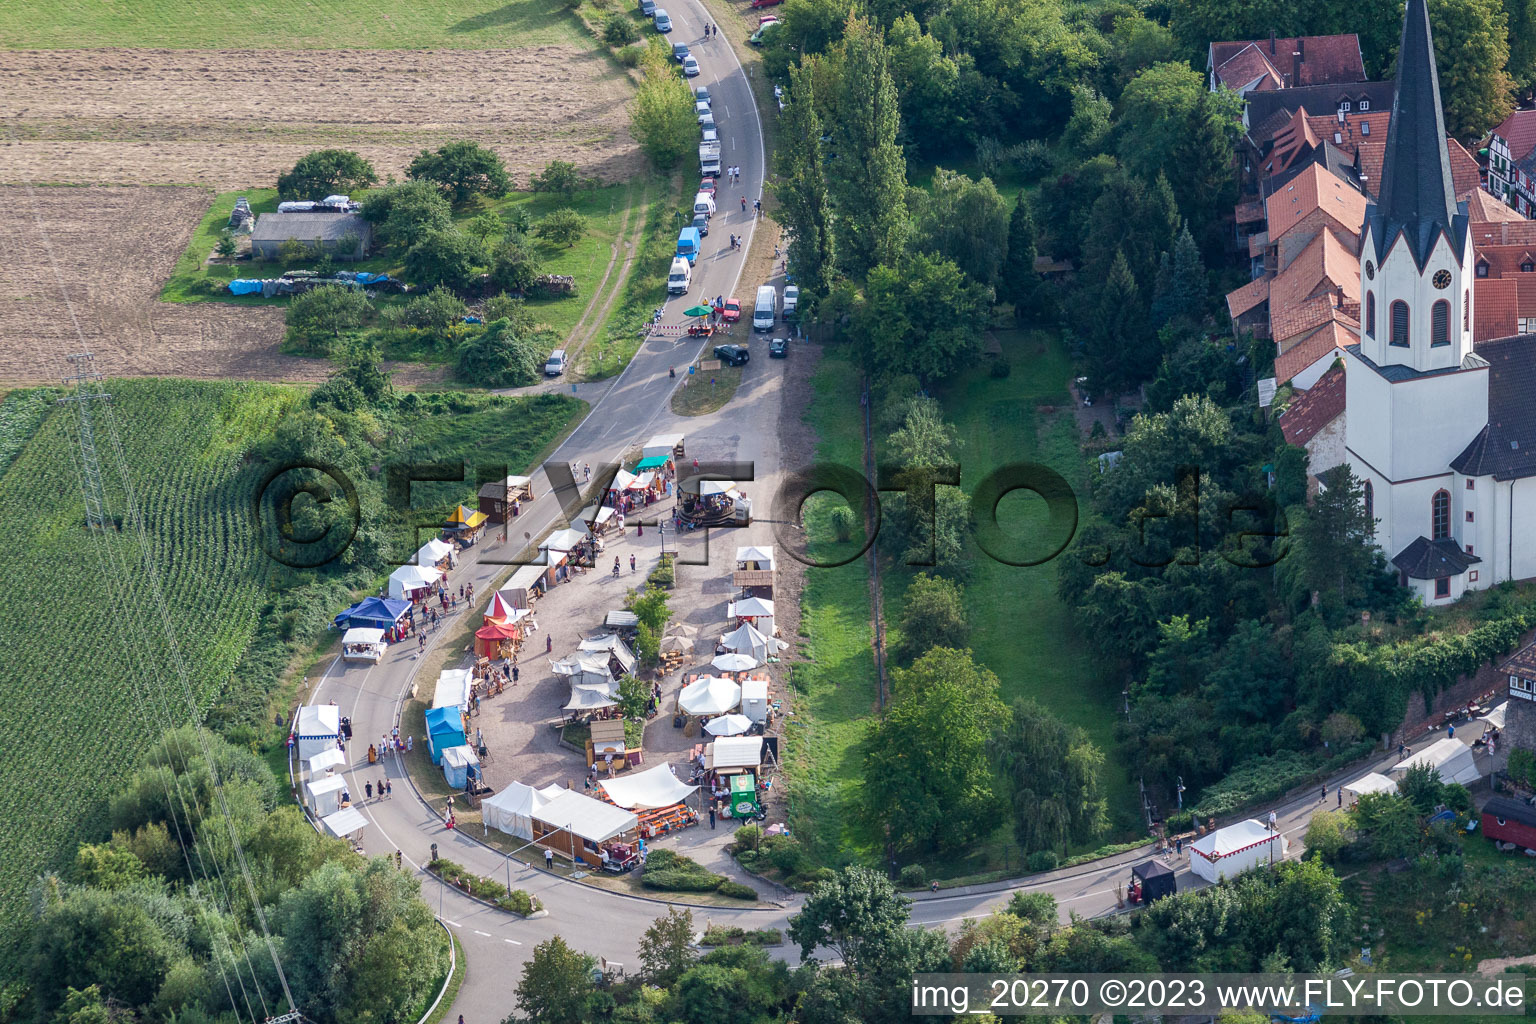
(1271, 42)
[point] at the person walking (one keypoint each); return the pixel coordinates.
(615, 566)
(1323, 795)
(421, 641)
(399, 859)
(1340, 794)
(549, 860)
(380, 787)
(757, 206)
(368, 789)
(389, 789)
(711, 815)
(549, 643)
(631, 565)
(515, 674)
(743, 204)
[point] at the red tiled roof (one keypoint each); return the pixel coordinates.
(1313, 409)
(1256, 243)
(1495, 305)
(1304, 60)
(1483, 207)
(1465, 175)
(1248, 65)
(1314, 188)
(1297, 320)
(1366, 145)
(1518, 130)
(1331, 337)
(1296, 138)
(1324, 267)
(1249, 295)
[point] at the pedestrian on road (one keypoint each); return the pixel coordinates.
(514, 675)
(586, 467)
(549, 860)
(421, 641)
(389, 789)
(711, 816)
(549, 643)
(1340, 794)
(743, 204)
(1450, 731)
(1402, 751)
(631, 564)
(381, 788)
(757, 207)
(399, 859)
(410, 743)
(615, 566)
(368, 789)
(1272, 826)
(672, 371)
(1323, 795)
(1178, 845)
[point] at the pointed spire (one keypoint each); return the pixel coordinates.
(1416, 194)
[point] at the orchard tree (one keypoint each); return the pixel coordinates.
(443, 258)
(462, 170)
(562, 227)
(326, 172)
(1471, 52)
(516, 264)
(560, 177)
(317, 318)
(404, 212)
(483, 226)
(1053, 772)
(932, 615)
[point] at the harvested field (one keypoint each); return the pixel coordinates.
(114, 247)
(237, 118)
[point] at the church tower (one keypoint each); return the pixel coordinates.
(1416, 252)
(1415, 393)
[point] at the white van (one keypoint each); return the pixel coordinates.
(680, 277)
(556, 364)
(704, 203)
(765, 310)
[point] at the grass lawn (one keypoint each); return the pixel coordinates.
(837, 688)
(195, 280)
(291, 24)
(706, 391)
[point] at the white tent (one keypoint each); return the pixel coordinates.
(457, 761)
(325, 794)
(509, 811)
(754, 699)
(746, 639)
(752, 607)
(408, 580)
(453, 688)
(647, 790)
(708, 488)
(585, 817)
(562, 541)
(584, 668)
(613, 645)
(641, 482)
(433, 552)
(318, 728)
(1450, 757)
(597, 516)
(1371, 782)
(592, 698)
(1495, 718)
(326, 760)
(734, 752)
(763, 556)
(728, 725)
(345, 822)
(709, 695)
(1228, 852)
(363, 644)
(662, 444)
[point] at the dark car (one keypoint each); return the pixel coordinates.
(647, 7)
(679, 51)
(733, 355)
(701, 221)
(778, 348)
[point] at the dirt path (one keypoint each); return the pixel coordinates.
(588, 326)
(1488, 968)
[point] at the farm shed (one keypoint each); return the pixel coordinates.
(1510, 821)
(330, 230)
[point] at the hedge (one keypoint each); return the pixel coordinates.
(669, 871)
(717, 935)
(518, 902)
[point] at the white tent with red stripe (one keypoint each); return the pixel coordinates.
(1230, 851)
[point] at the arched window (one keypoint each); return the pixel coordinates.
(1440, 323)
(1466, 310)
(1370, 314)
(1440, 515)
(1400, 323)
(1370, 502)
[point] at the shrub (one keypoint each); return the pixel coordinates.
(1033, 158)
(664, 577)
(630, 56)
(747, 838)
(1327, 834)
(842, 523)
(913, 877)
(1522, 768)
(619, 30)
(290, 250)
(447, 258)
(731, 935)
(1000, 369)
(1037, 908)
(502, 355)
(679, 881)
(226, 246)
(562, 227)
(736, 890)
(1042, 860)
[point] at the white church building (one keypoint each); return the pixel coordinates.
(1441, 433)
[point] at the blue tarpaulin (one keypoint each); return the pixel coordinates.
(363, 277)
(245, 287)
(373, 613)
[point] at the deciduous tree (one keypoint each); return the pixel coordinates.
(666, 948)
(443, 258)
(562, 227)
(869, 173)
(326, 172)
(1471, 53)
(964, 221)
(461, 170)
(317, 318)
(661, 116)
(932, 615)
(556, 987)
(1052, 771)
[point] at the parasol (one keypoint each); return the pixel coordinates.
(697, 311)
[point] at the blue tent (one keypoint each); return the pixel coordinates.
(373, 613)
(445, 728)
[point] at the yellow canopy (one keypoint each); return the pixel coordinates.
(466, 517)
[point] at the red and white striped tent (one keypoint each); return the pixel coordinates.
(1230, 851)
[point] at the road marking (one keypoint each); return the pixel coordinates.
(454, 923)
(513, 941)
(479, 932)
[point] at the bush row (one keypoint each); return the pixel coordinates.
(518, 902)
(669, 871)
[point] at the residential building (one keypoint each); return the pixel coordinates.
(1283, 63)
(1508, 145)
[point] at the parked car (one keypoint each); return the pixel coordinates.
(765, 3)
(679, 51)
(701, 109)
(648, 8)
(690, 66)
(662, 20)
(757, 38)
(733, 355)
(701, 221)
(791, 302)
(778, 348)
(706, 122)
(555, 365)
(732, 310)
(765, 19)
(701, 95)
(707, 185)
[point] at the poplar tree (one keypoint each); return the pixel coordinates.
(801, 187)
(870, 174)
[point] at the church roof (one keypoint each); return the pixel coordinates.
(1313, 409)
(1416, 199)
(1399, 373)
(1498, 308)
(1427, 559)
(1505, 449)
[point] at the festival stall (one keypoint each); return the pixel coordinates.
(445, 728)
(465, 525)
(615, 494)
(511, 811)
(747, 639)
(734, 754)
(608, 746)
(621, 660)
(460, 765)
(498, 639)
(499, 609)
(317, 728)
(754, 700)
(1371, 782)
(742, 801)
(363, 644)
(375, 613)
(1228, 852)
(756, 612)
(1450, 757)
(728, 725)
(668, 445)
(323, 795)
(413, 582)
(347, 823)
(754, 571)
(577, 826)
(325, 761)
(435, 554)
(1152, 880)
(496, 499)
(649, 790)
(709, 695)
(599, 519)
(565, 547)
(455, 687)
(526, 585)
(661, 465)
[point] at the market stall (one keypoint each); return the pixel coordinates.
(608, 747)
(465, 525)
(1372, 782)
(323, 795)
(1152, 880)
(347, 823)
(527, 584)
(731, 755)
(511, 811)
(498, 499)
(435, 554)
(1450, 757)
(460, 765)
(754, 571)
(747, 639)
(376, 613)
(600, 520)
(363, 644)
(455, 687)
(498, 639)
(326, 761)
(566, 547)
(1228, 852)
(650, 790)
(577, 826)
(709, 695)
(316, 729)
(668, 445)
(756, 612)
(413, 582)
(445, 728)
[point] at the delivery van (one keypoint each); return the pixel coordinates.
(680, 277)
(688, 244)
(704, 203)
(766, 309)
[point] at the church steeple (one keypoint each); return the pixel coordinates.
(1416, 196)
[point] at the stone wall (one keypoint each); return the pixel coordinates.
(1422, 715)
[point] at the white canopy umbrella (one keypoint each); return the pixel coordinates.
(734, 662)
(710, 695)
(1495, 718)
(728, 725)
(752, 607)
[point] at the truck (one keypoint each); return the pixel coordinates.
(709, 159)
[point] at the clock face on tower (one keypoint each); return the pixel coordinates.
(1370, 270)
(1442, 279)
